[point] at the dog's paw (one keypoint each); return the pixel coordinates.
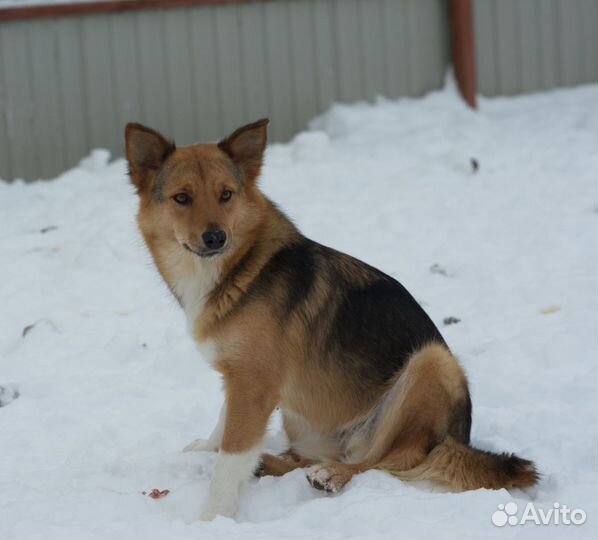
(201, 445)
(319, 477)
(327, 477)
(208, 514)
(213, 509)
(280, 465)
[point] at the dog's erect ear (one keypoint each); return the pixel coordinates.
(246, 147)
(146, 151)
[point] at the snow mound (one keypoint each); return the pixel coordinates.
(488, 218)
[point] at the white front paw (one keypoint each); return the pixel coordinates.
(201, 445)
(207, 515)
(217, 508)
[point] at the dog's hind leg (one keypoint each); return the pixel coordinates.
(426, 403)
(431, 401)
(430, 432)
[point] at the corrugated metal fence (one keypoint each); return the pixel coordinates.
(527, 45)
(69, 84)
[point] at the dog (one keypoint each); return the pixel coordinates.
(362, 376)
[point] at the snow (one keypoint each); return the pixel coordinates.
(102, 387)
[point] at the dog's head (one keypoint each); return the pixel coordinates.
(201, 198)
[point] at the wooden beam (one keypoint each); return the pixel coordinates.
(108, 6)
(463, 49)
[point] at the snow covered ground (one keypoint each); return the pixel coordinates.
(102, 387)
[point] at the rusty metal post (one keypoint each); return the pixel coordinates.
(463, 48)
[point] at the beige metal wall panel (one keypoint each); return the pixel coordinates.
(531, 45)
(70, 84)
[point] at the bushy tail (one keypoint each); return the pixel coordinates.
(460, 468)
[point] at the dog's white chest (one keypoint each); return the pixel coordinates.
(193, 291)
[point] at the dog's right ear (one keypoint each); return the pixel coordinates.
(246, 147)
(146, 151)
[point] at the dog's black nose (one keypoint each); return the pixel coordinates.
(214, 239)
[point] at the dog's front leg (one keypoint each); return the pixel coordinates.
(249, 405)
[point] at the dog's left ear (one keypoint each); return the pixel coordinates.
(246, 147)
(146, 151)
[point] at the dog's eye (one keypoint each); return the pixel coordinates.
(226, 195)
(183, 199)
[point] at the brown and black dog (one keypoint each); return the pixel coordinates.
(363, 378)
